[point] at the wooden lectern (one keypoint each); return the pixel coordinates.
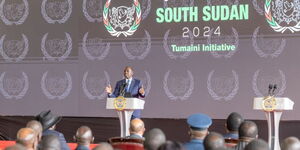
(124, 108)
(273, 108)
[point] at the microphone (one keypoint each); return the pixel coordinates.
(270, 88)
(122, 89)
(274, 88)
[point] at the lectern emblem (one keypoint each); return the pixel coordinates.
(120, 103)
(14, 50)
(14, 13)
(283, 15)
(56, 11)
(269, 103)
(121, 20)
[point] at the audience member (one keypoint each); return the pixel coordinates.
(154, 138)
(247, 132)
(49, 122)
(290, 143)
(213, 140)
(84, 137)
(232, 125)
(27, 137)
(50, 142)
(171, 145)
(103, 146)
(136, 129)
(257, 144)
(199, 124)
(37, 127)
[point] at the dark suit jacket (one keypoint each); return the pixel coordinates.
(135, 85)
(63, 143)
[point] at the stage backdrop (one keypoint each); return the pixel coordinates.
(209, 56)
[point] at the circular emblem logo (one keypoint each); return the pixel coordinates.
(120, 103)
(284, 12)
(122, 18)
(269, 103)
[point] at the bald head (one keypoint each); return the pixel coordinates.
(154, 138)
(37, 127)
(137, 127)
(84, 135)
(50, 142)
(213, 140)
(257, 144)
(27, 138)
(290, 143)
(103, 146)
(248, 130)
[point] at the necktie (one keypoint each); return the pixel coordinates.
(128, 85)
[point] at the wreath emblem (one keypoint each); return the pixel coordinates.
(273, 24)
(132, 28)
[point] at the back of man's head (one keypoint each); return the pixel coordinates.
(37, 127)
(290, 143)
(84, 135)
(248, 130)
(257, 144)
(50, 142)
(171, 145)
(213, 140)
(27, 138)
(154, 138)
(103, 146)
(137, 126)
(234, 121)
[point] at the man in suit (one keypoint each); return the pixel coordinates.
(137, 129)
(248, 132)
(128, 85)
(199, 124)
(233, 122)
(28, 138)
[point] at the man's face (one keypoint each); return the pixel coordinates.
(128, 72)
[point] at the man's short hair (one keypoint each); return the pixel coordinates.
(257, 144)
(84, 135)
(213, 140)
(171, 145)
(248, 129)
(50, 142)
(26, 137)
(136, 125)
(154, 138)
(234, 121)
(290, 143)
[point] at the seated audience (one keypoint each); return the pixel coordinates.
(171, 145)
(136, 129)
(37, 127)
(50, 142)
(103, 146)
(154, 138)
(198, 124)
(257, 144)
(49, 121)
(247, 132)
(290, 143)
(27, 137)
(84, 137)
(213, 141)
(232, 125)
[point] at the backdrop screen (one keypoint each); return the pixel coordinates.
(209, 56)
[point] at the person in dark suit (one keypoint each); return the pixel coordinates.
(49, 121)
(233, 122)
(84, 137)
(136, 129)
(128, 86)
(248, 132)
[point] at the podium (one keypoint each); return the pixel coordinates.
(273, 108)
(124, 108)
